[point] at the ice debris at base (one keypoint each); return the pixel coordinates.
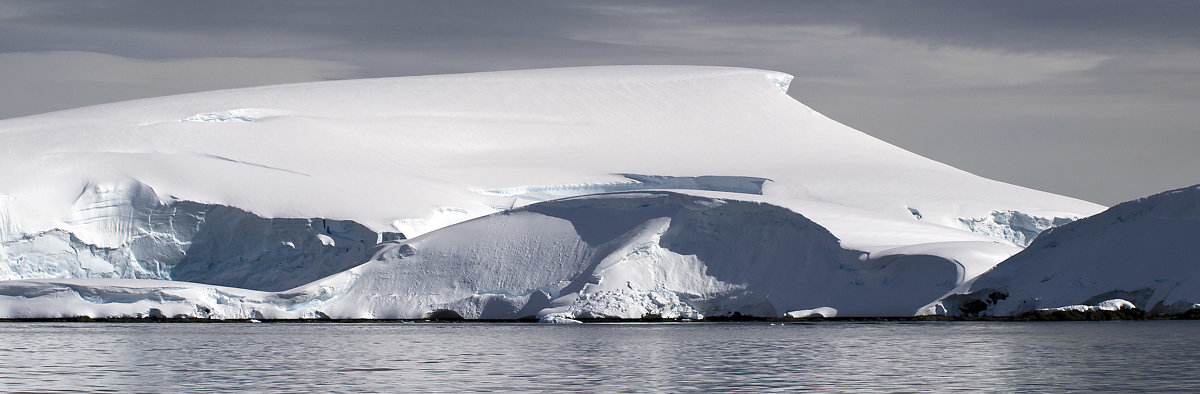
(128, 298)
(824, 312)
(1145, 251)
(1106, 305)
(557, 319)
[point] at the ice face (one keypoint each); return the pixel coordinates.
(124, 231)
(625, 255)
(1017, 227)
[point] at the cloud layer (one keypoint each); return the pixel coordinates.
(61, 80)
(1089, 99)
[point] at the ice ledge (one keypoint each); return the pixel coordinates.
(718, 183)
(1013, 226)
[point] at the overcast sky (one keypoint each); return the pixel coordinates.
(1098, 100)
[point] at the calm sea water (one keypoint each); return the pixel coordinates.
(927, 356)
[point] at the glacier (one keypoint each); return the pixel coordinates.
(619, 255)
(290, 198)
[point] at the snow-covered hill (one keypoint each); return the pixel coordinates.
(1146, 252)
(266, 188)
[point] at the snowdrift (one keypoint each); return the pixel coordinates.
(273, 187)
(1143, 253)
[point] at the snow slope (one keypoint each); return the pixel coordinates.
(1146, 252)
(96, 191)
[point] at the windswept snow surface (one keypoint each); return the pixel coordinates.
(81, 188)
(1145, 252)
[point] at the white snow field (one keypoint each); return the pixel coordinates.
(275, 187)
(1143, 253)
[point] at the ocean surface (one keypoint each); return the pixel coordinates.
(396, 357)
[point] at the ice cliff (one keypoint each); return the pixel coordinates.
(622, 255)
(124, 231)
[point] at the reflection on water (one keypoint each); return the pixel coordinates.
(1090, 356)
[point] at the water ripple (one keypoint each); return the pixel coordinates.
(750, 357)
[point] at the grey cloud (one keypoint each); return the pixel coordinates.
(1024, 25)
(1086, 98)
(46, 81)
